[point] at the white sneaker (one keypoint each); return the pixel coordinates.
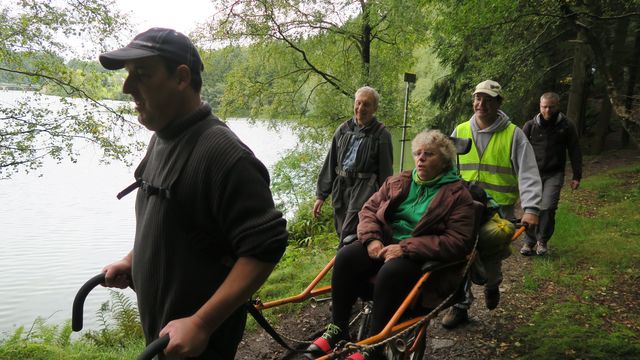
(542, 249)
(526, 250)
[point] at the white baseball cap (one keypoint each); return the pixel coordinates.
(488, 87)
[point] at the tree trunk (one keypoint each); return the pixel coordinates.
(575, 107)
(634, 66)
(630, 116)
(365, 44)
(617, 73)
(601, 130)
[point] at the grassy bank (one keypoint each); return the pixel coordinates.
(120, 336)
(581, 301)
(585, 294)
(296, 270)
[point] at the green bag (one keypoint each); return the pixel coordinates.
(494, 238)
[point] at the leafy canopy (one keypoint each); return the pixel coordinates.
(40, 40)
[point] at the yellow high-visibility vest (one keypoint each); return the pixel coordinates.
(493, 172)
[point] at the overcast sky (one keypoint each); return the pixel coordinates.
(181, 15)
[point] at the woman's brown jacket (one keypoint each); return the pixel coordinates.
(445, 233)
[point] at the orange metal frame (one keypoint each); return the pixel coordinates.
(391, 328)
(309, 292)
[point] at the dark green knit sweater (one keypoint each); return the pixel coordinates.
(220, 209)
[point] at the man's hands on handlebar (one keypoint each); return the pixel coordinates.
(118, 274)
(530, 220)
(189, 336)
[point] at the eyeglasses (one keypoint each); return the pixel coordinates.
(419, 153)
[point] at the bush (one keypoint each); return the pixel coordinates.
(304, 228)
(119, 323)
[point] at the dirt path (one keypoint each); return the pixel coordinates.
(482, 338)
(488, 335)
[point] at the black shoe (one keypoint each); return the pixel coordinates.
(454, 317)
(491, 297)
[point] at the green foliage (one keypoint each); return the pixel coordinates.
(576, 331)
(48, 342)
(293, 176)
(218, 65)
(305, 230)
(254, 87)
(48, 334)
(312, 241)
(306, 59)
(293, 183)
(587, 284)
(37, 126)
(544, 271)
(123, 314)
(530, 283)
(423, 114)
(527, 46)
(295, 271)
(36, 37)
(99, 82)
(612, 207)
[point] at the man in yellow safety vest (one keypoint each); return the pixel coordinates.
(503, 163)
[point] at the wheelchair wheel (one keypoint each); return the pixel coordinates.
(401, 348)
(398, 349)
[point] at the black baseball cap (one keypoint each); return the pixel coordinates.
(166, 43)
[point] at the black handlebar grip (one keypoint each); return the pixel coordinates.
(78, 302)
(154, 348)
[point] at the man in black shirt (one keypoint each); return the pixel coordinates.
(207, 233)
(552, 135)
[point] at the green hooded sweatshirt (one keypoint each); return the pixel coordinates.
(405, 218)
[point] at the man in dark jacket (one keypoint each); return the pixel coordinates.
(207, 233)
(552, 135)
(358, 162)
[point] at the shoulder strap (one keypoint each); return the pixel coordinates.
(164, 190)
(137, 174)
(378, 130)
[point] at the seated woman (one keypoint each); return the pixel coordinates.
(419, 215)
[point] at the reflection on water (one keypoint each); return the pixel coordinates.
(60, 229)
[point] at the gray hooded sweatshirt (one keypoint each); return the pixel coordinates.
(523, 160)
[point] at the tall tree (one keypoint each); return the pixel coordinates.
(318, 53)
(605, 27)
(36, 38)
(527, 46)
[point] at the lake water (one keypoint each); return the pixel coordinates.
(60, 229)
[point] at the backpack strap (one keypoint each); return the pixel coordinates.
(137, 174)
(378, 131)
(165, 190)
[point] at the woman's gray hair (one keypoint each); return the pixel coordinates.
(437, 138)
(370, 90)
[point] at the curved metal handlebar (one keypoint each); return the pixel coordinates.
(78, 302)
(149, 352)
(154, 348)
